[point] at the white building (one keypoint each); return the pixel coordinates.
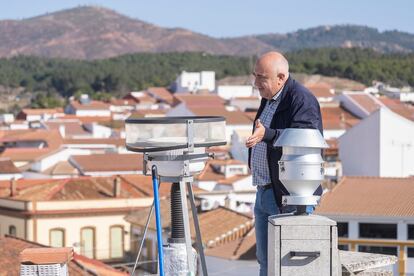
(88, 107)
(380, 145)
(374, 208)
(193, 81)
(6, 118)
(84, 213)
(235, 91)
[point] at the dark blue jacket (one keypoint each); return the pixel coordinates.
(298, 108)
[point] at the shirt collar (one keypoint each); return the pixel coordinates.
(277, 94)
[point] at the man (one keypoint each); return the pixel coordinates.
(285, 104)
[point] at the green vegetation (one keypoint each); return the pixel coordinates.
(116, 75)
(363, 65)
(52, 80)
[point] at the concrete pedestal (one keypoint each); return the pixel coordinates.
(302, 245)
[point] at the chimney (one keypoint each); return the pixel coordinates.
(51, 261)
(117, 186)
(13, 187)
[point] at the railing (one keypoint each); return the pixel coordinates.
(402, 256)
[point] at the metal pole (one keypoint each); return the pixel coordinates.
(187, 232)
(197, 230)
(158, 220)
(143, 236)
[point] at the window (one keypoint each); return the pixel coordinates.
(410, 252)
(343, 247)
(342, 229)
(387, 250)
(12, 230)
(410, 231)
(378, 230)
(88, 242)
(57, 237)
(116, 241)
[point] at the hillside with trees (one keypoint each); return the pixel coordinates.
(51, 79)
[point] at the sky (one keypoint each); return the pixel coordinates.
(230, 18)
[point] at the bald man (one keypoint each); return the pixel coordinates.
(285, 104)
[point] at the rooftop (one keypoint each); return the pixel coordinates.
(108, 162)
(369, 196)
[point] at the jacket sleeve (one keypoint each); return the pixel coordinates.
(306, 114)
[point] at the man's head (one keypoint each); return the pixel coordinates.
(271, 72)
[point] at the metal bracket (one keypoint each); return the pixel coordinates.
(177, 158)
(144, 164)
(190, 135)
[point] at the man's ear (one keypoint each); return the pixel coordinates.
(281, 77)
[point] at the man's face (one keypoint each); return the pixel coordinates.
(267, 81)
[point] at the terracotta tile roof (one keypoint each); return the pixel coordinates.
(24, 154)
(144, 184)
(162, 94)
(200, 100)
(88, 119)
(403, 109)
(370, 196)
(82, 188)
(94, 141)
(47, 255)
(41, 111)
(222, 224)
(321, 90)
(336, 117)
(366, 101)
(61, 168)
(10, 248)
(7, 166)
(71, 128)
(216, 226)
(236, 117)
(142, 113)
(110, 162)
(52, 137)
(122, 102)
(92, 105)
(243, 248)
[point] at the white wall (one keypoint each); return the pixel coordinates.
(397, 145)
(232, 91)
(73, 227)
(8, 176)
(192, 81)
(98, 113)
(359, 148)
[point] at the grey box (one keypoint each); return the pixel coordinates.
(302, 245)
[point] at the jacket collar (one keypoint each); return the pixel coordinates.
(284, 101)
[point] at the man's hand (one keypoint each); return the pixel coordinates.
(257, 136)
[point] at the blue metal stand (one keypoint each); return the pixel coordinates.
(158, 220)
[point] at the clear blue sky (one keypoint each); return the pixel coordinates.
(227, 18)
